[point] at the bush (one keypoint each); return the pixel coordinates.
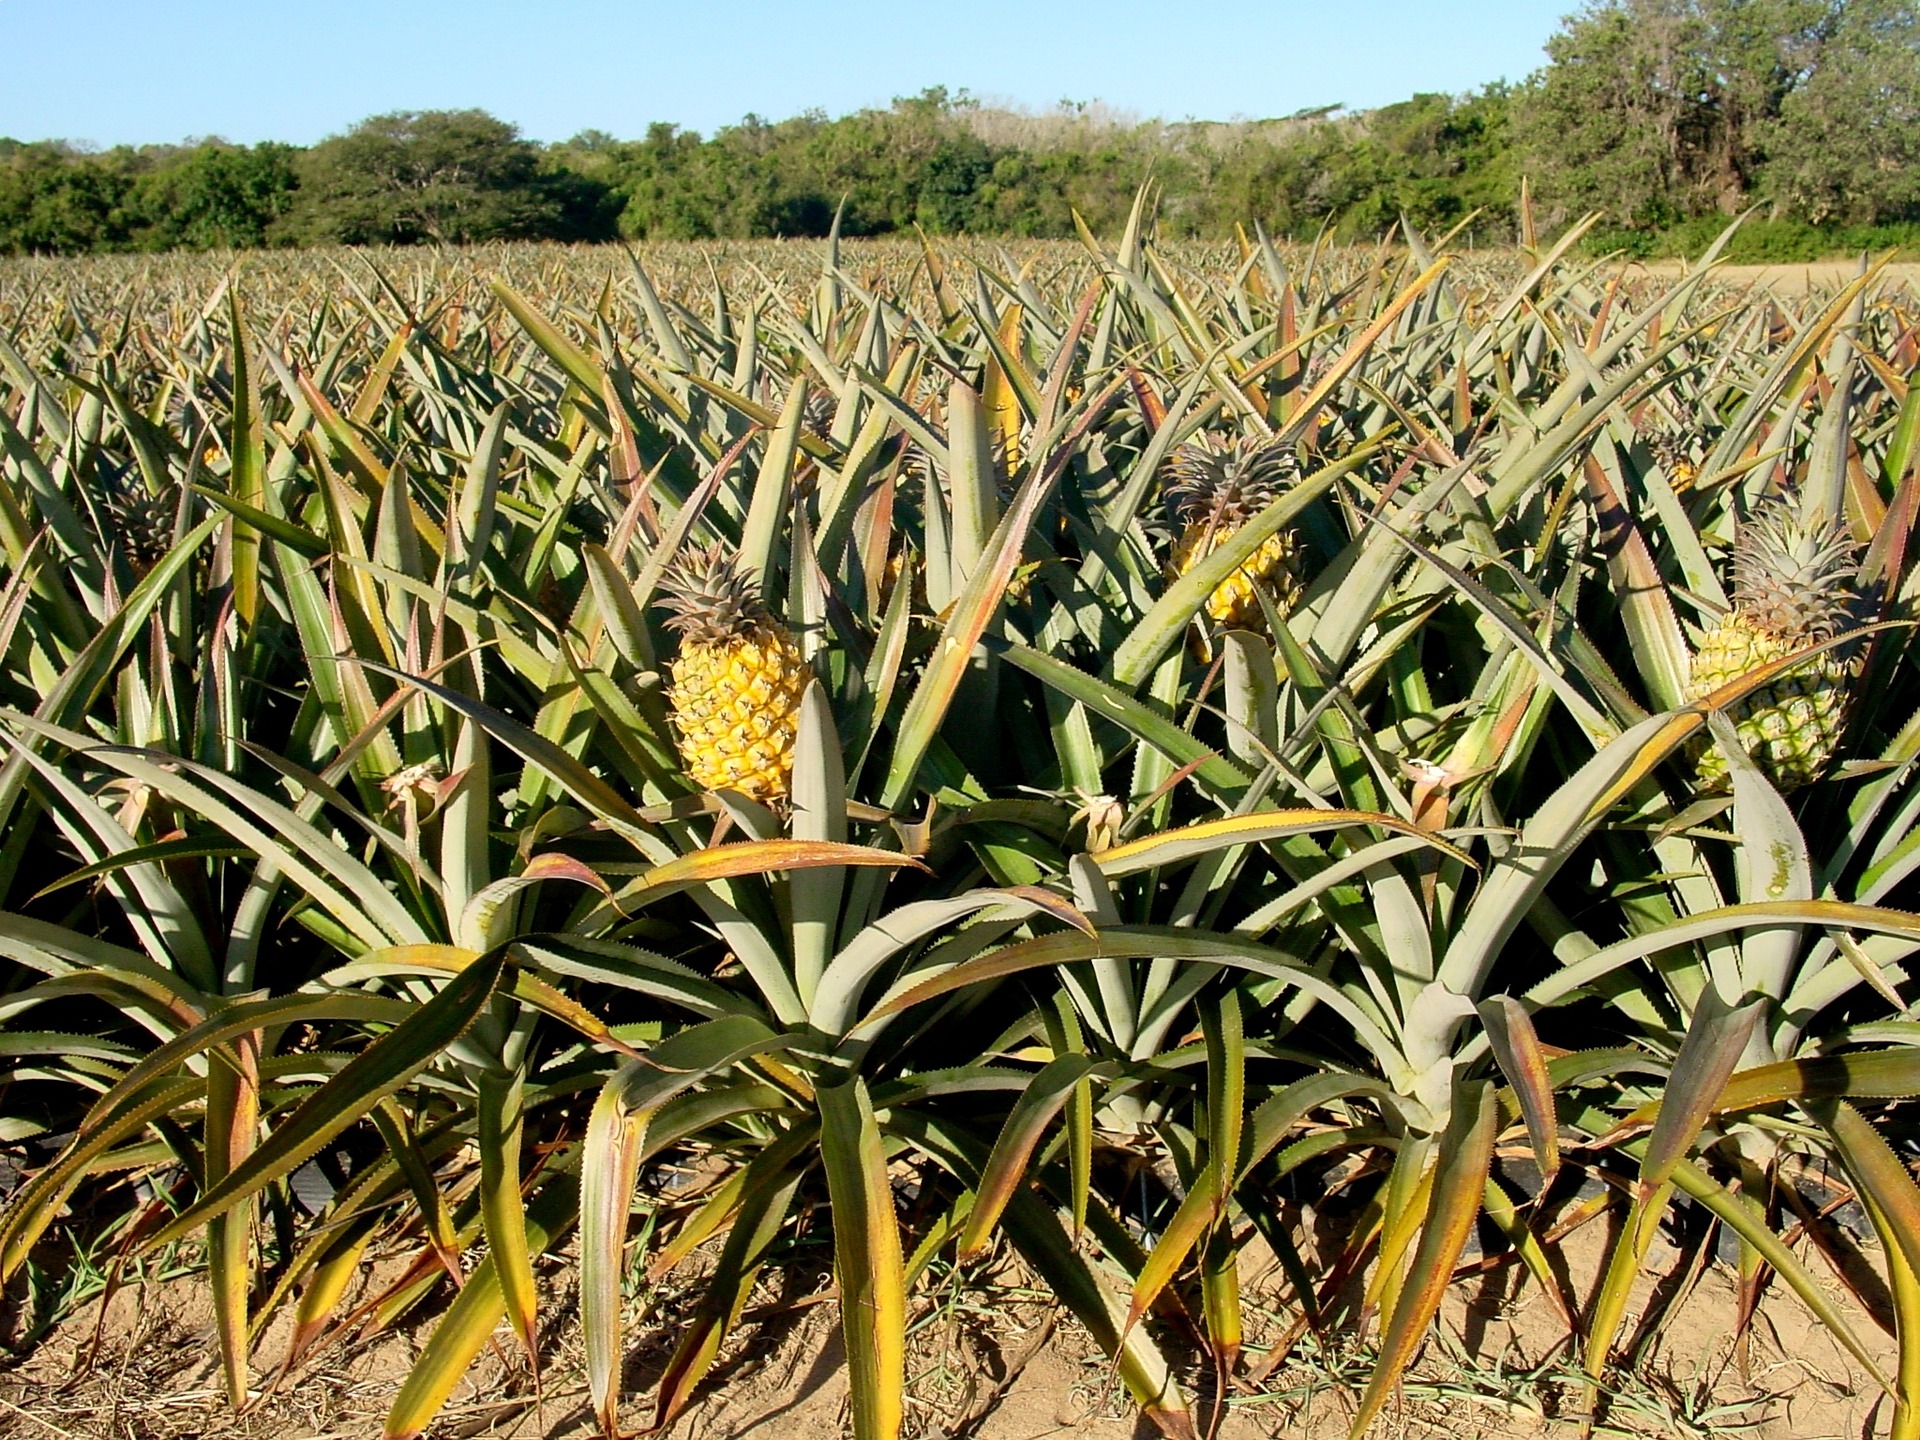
(1757, 242)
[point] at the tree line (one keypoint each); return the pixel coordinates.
(1667, 115)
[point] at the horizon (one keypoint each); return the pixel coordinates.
(150, 85)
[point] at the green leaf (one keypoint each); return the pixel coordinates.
(383, 1067)
(1221, 776)
(819, 814)
(953, 655)
(1044, 1097)
(866, 1259)
(472, 1318)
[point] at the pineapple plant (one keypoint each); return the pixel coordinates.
(1795, 583)
(1217, 486)
(1675, 456)
(737, 681)
(1043, 819)
(818, 413)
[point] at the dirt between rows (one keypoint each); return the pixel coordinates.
(991, 1358)
(1810, 277)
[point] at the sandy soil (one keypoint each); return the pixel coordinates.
(990, 1359)
(1794, 279)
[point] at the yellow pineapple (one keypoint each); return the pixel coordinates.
(1217, 487)
(1794, 585)
(737, 682)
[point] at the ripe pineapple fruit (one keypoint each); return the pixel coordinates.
(737, 682)
(1218, 486)
(1794, 584)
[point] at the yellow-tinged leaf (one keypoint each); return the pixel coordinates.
(1715, 1039)
(480, 925)
(763, 1212)
(998, 394)
(247, 447)
(1877, 1173)
(1517, 1048)
(233, 1121)
(1357, 349)
(1859, 1075)
(1191, 841)
(610, 1164)
(451, 959)
(1731, 1210)
(1266, 1128)
(1683, 723)
(1046, 1094)
(751, 857)
(367, 404)
(464, 1330)
(377, 1071)
(866, 1259)
(581, 368)
(36, 1204)
(1466, 1154)
(503, 1216)
(331, 1275)
(1136, 942)
(1223, 1032)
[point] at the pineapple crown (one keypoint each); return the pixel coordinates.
(923, 466)
(136, 521)
(1670, 448)
(818, 413)
(1792, 578)
(1228, 482)
(712, 597)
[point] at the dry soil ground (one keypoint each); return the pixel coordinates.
(1785, 280)
(990, 1359)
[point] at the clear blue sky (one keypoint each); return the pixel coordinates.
(129, 71)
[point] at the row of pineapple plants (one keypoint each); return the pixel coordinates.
(494, 724)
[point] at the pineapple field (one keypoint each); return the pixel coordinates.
(1235, 813)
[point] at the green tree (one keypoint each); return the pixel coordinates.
(214, 196)
(55, 200)
(441, 176)
(1655, 110)
(1846, 145)
(950, 182)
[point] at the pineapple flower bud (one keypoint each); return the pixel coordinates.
(406, 786)
(1103, 816)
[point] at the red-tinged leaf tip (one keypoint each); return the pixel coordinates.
(1054, 906)
(564, 867)
(1172, 1424)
